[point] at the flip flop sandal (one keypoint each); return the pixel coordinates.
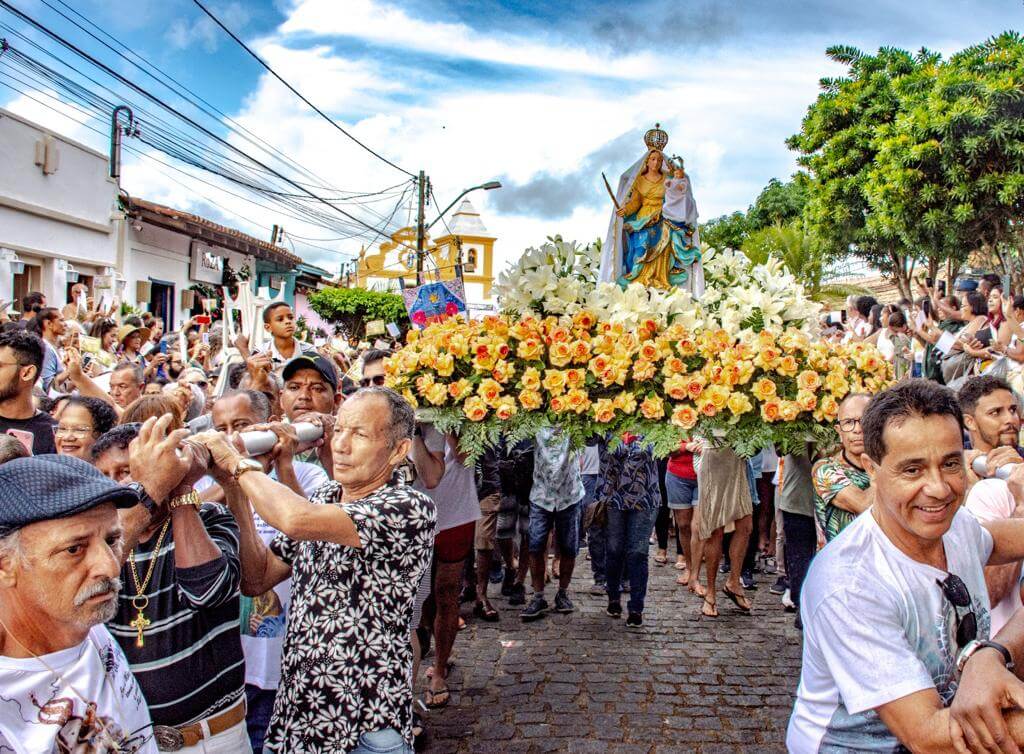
(431, 698)
(703, 609)
(680, 566)
(486, 613)
(735, 599)
(447, 670)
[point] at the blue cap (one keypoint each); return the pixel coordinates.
(51, 486)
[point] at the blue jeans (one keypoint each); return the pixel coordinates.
(629, 534)
(589, 490)
(385, 741)
(566, 524)
(598, 546)
(259, 707)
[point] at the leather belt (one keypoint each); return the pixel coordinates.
(169, 738)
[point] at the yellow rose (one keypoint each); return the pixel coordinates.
(744, 371)
(686, 346)
(531, 349)
(506, 408)
(490, 391)
(503, 371)
(829, 407)
(771, 410)
(584, 320)
(459, 389)
(673, 365)
(707, 408)
(410, 398)
(764, 389)
(603, 410)
(575, 378)
(695, 385)
(580, 351)
(787, 366)
(738, 404)
(558, 404)
(643, 371)
(423, 383)
(808, 380)
(836, 384)
(625, 402)
(768, 357)
(717, 394)
(475, 409)
(789, 411)
(599, 364)
(685, 417)
(531, 400)
(437, 394)
(577, 400)
(806, 400)
(554, 381)
(559, 354)
(675, 387)
(530, 379)
(444, 364)
(649, 351)
(652, 407)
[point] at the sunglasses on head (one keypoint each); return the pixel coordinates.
(367, 381)
(954, 590)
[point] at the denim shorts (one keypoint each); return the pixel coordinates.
(385, 741)
(682, 493)
(566, 524)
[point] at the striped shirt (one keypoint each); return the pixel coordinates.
(191, 665)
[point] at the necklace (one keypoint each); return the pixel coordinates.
(140, 601)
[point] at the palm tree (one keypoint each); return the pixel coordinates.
(791, 244)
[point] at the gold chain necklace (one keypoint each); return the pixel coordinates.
(140, 601)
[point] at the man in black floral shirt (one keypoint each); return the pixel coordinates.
(355, 552)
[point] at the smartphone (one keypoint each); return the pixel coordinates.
(163, 346)
(24, 437)
(202, 319)
(206, 338)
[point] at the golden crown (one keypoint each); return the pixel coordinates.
(656, 138)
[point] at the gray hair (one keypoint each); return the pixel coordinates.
(11, 449)
(10, 545)
(403, 418)
(259, 401)
(137, 371)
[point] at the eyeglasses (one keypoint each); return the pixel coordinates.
(848, 425)
(367, 381)
(201, 384)
(74, 431)
(954, 590)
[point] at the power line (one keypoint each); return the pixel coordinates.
(161, 103)
(294, 91)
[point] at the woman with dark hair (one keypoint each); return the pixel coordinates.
(106, 330)
(80, 422)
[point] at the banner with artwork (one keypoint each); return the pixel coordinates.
(434, 302)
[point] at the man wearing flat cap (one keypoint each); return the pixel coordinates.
(66, 685)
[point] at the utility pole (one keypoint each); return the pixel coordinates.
(421, 229)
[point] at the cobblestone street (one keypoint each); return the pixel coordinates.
(582, 683)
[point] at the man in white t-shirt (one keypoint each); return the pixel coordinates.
(264, 618)
(992, 418)
(897, 602)
(65, 684)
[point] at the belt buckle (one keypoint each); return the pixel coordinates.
(168, 738)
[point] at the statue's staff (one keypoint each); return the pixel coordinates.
(610, 192)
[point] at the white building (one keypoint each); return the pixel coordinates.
(59, 216)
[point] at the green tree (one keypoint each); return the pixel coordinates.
(725, 232)
(779, 202)
(837, 145)
(352, 308)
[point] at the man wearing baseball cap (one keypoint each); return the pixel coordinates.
(66, 683)
(311, 394)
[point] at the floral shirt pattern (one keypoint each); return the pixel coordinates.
(629, 477)
(347, 661)
(831, 476)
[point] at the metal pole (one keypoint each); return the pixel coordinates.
(115, 139)
(420, 229)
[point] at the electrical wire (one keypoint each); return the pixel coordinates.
(166, 106)
(294, 91)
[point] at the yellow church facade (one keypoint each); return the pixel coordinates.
(395, 259)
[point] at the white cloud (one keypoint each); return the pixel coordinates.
(203, 31)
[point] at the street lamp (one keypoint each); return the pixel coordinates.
(489, 186)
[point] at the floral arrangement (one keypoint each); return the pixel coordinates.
(512, 376)
(558, 278)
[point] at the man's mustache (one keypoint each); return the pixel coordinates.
(103, 586)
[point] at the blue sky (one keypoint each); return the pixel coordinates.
(542, 95)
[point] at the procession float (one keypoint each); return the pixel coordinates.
(649, 333)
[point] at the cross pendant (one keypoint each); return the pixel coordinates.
(140, 624)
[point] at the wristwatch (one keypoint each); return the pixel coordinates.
(189, 498)
(244, 465)
(973, 646)
(144, 497)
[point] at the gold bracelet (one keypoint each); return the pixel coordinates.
(189, 498)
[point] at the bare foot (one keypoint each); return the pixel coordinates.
(698, 589)
(684, 578)
(709, 609)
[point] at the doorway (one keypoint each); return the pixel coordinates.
(161, 301)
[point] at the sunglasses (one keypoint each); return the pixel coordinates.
(367, 381)
(954, 590)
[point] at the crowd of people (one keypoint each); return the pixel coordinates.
(162, 588)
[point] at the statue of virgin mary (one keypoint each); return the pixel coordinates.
(652, 236)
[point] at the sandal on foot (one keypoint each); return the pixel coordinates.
(699, 589)
(437, 699)
(679, 566)
(704, 609)
(486, 612)
(735, 598)
(683, 579)
(447, 670)
(661, 559)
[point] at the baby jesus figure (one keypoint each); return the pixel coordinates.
(678, 206)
